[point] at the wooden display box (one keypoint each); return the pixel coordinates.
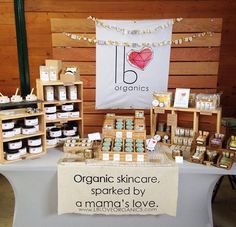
(201, 142)
(215, 145)
(201, 158)
(77, 102)
(109, 129)
(210, 160)
(20, 114)
(230, 159)
(79, 146)
(228, 144)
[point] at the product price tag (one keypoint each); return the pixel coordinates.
(172, 120)
(129, 135)
(128, 158)
(140, 158)
(105, 157)
(159, 111)
(118, 134)
(116, 157)
(179, 159)
(206, 113)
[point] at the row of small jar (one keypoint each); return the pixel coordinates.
(26, 126)
(61, 93)
(66, 111)
(57, 135)
(18, 148)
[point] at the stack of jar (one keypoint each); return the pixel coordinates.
(28, 126)
(66, 111)
(57, 135)
(19, 148)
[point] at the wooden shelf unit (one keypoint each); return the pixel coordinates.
(17, 114)
(79, 101)
(155, 111)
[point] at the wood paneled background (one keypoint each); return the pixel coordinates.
(38, 14)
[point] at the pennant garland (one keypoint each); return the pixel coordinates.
(125, 31)
(143, 44)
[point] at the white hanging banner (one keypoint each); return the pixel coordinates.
(127, 76)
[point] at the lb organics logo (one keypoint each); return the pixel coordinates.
(127, 80)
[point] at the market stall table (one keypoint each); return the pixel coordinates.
(35, 187)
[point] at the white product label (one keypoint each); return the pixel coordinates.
(129, 135)
(44, 76)
(140, 158)
(128, 158)
(53, 75)
(178, 159)
(118, 134)
(94, 136)
(116, 157)
(105, 157)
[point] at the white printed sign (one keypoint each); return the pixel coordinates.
(117, 190)
(127, 76)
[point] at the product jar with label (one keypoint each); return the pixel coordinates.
(7, 125)
(35, 149)
(12, 155)
(29, 130)
(51, 116)
(16, 144)
(50, 141)
(50, 109)
(55, 132)
(62, 114)
(67, 107)
(8, 133)
(31, 121)
(69, 131)
(35, 141)
(75, 113)
(23, 151)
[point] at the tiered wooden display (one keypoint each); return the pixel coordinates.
(156, 111)
(16, 114)
(124, 134)
(40, 94)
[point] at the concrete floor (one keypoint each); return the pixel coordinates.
(224, 206)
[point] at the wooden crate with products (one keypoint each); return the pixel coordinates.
(124, 138)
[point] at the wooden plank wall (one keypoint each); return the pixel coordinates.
(39, 12)
(9, 74)
(193, 65)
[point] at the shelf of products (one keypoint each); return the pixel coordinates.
(156, 111)
(63, 107)
(23, 134)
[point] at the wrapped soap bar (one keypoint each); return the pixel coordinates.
(207, 101)
(162, 99)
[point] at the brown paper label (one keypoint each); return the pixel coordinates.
(172, 120)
